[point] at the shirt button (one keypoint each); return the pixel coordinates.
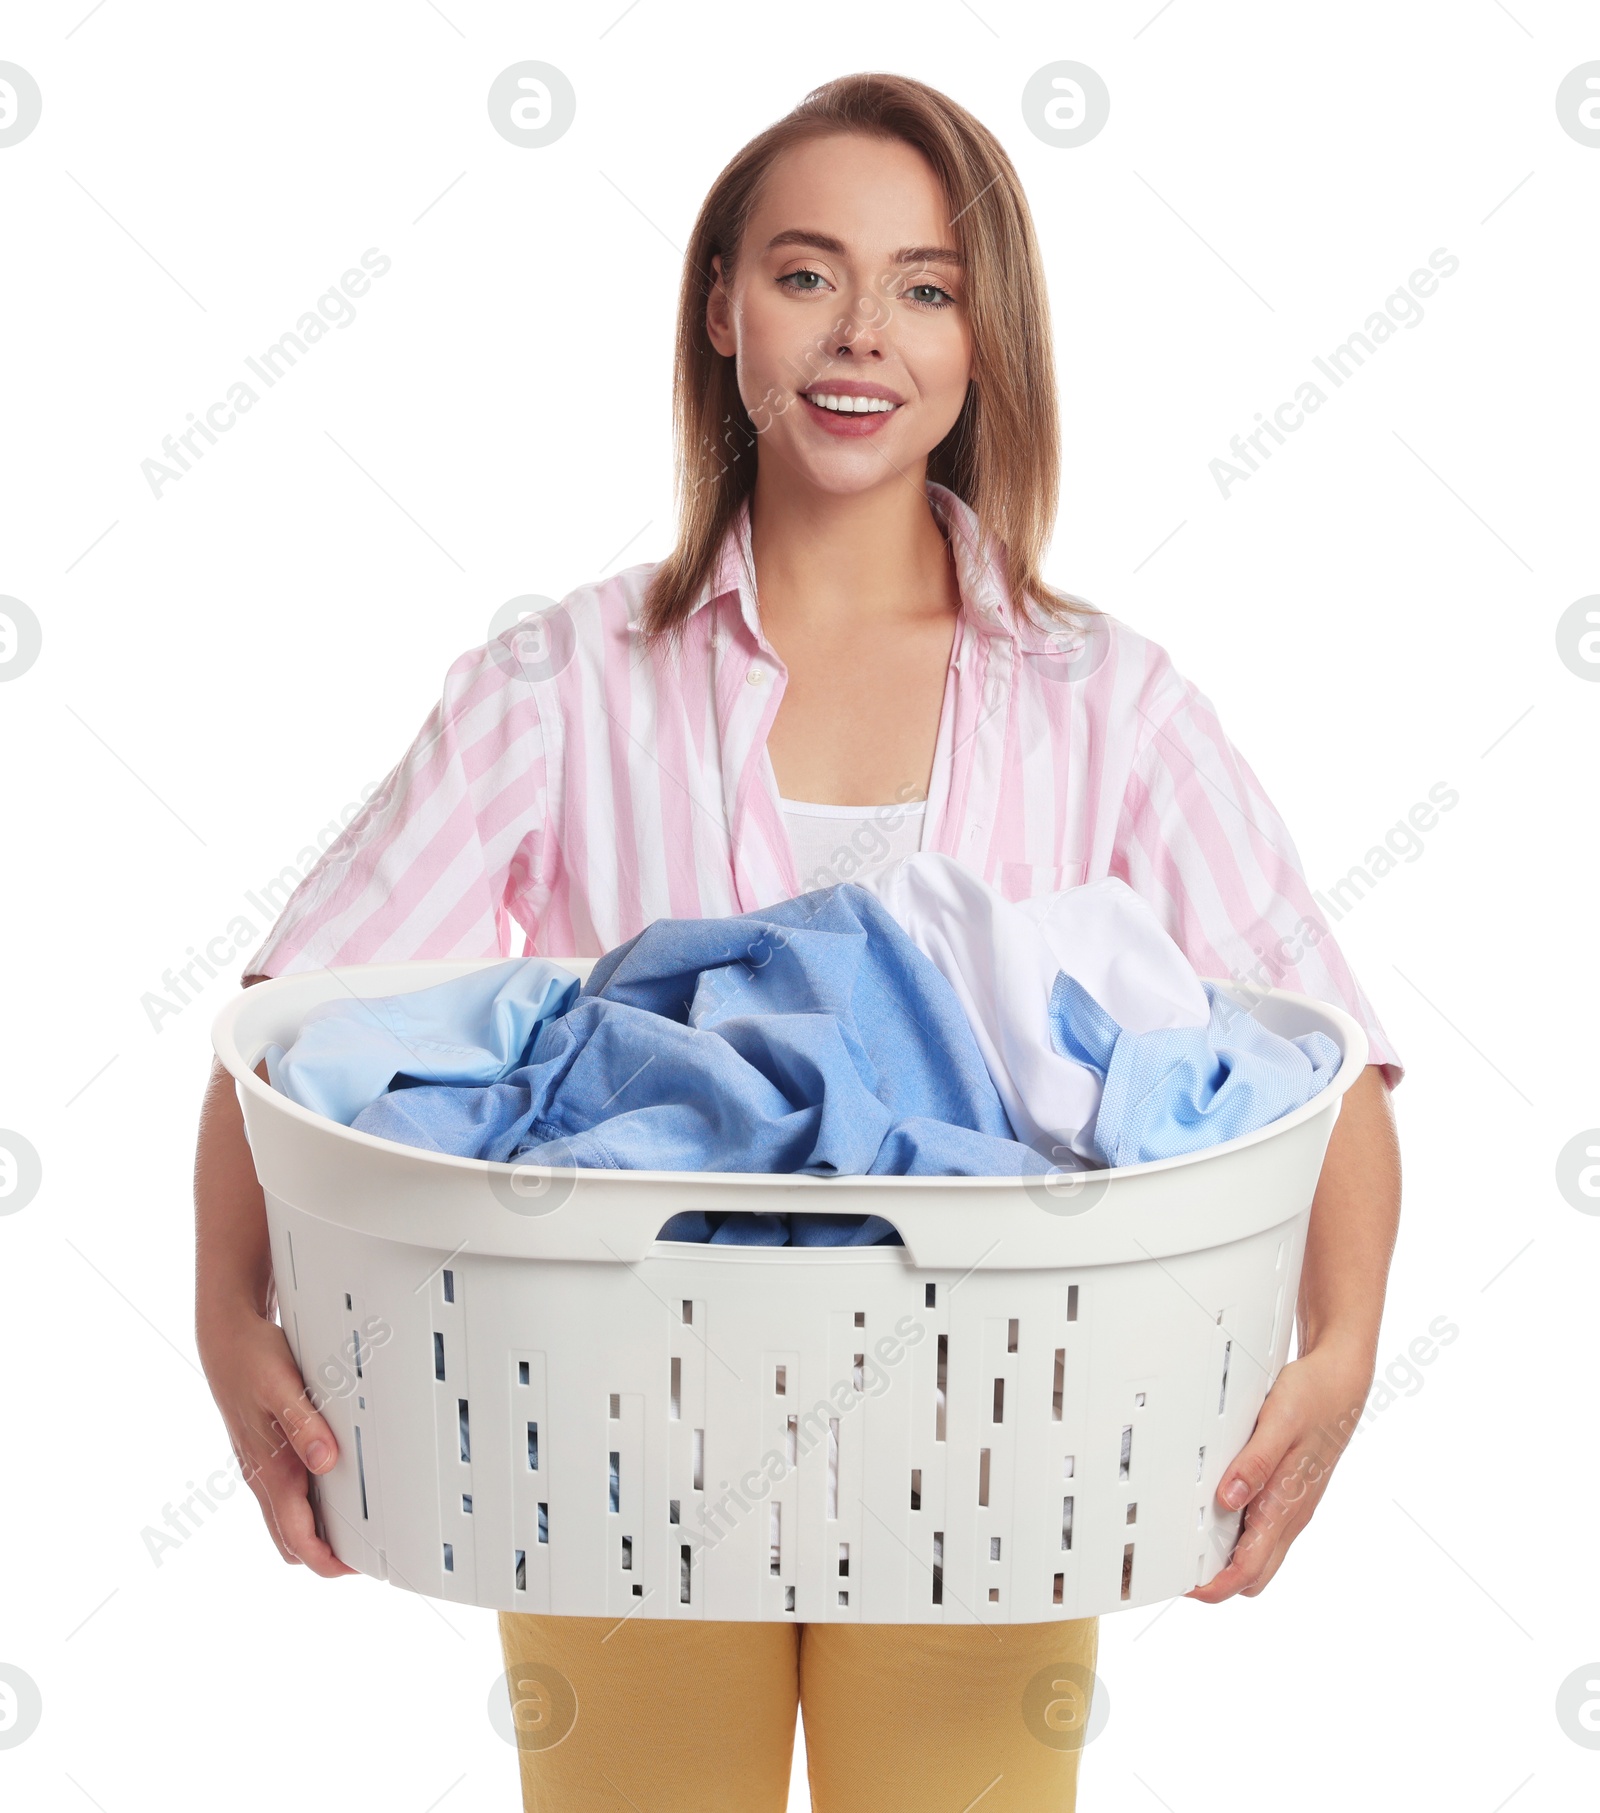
(756, 675)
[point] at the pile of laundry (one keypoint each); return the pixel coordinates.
(913, 1024)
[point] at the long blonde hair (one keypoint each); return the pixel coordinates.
(1003, 454)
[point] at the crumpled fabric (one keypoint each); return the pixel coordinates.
(917, 1025)
(1002, 958)
(473, 1030)
(811, 1037)
(1175, 1090)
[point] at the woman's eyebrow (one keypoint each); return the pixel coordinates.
(825, 242)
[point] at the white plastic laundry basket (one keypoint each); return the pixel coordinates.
(1021, 1414)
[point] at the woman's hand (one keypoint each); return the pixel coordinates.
(1282, 1471)
(279, 1438)
(1317, 1400)
(276, 1434)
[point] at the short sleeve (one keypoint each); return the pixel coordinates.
(1199, 839)
(445, 854)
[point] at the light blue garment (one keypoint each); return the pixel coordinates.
(1178, 1090)
(475, 1029)
(811, 1036)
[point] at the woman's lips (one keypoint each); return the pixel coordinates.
(852, 426)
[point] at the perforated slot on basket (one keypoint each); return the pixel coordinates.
(683, 1574)
(355, 1340)
(449, 1285)
(438, 1354)
(672, 1510)
(938, 1567)
(1059, 1388)
(627, 1553)
(780, 1381)
(1072, 1303)
(361, 1471)
(616, 1405)
(463, 1430)
(983, 1476)
(544, 1521)
(994, 1548)
(347, 1303)
(844, 1557)
(466, 1504)
(999, 1400)
(1222, 1395)
(929, 1293)
(1127, 1570)
(522, 1570)
(1127, 1451)
(833, 1467)
(1011, 1335)
(788, 1598)
(791, 1439)
(615, 1487)
(1133, 1514)
(994, 1595)
(1200, 1465)
(294, 1276)
(688, 1310)
(533, 1447)
(941, 1376)
(858, 1381)
(916, 1488)
(861, 1318)
(675, 1390)
(844, 1598)
(1138, 1399)
(699, 1460)
(1058, 1592)
(449, 1558)
(522, 1372)
(775, 1538)
(1066, 1523)
(1066, 1467)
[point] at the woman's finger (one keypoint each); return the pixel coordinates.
(279, 1482)
(292, 1509)
(269, 1517)
(1274, 1518)
(1243, 1566)
(303, 1427)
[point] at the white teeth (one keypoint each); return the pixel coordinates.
(851, 405)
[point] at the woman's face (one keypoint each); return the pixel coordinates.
(848, 287)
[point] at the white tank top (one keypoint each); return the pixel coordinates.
(842, 843)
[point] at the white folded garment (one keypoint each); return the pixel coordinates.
(1002, 958)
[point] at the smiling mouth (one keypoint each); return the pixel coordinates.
(847, 405)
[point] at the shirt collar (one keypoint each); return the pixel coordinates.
(980, 568)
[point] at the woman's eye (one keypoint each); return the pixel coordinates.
(937, 290)
(803, 288)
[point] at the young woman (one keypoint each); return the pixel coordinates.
(852, 633)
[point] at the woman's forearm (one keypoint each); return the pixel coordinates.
(233, 1254)
(1354, 1218)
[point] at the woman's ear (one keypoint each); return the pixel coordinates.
(719, 323)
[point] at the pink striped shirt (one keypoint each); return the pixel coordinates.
(578, 784)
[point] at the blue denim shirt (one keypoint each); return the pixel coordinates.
(807, 1037)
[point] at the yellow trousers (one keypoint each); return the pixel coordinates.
(696, 1716)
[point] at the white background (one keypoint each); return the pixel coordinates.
(224, 668)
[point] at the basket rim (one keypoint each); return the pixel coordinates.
(1346, 1031)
